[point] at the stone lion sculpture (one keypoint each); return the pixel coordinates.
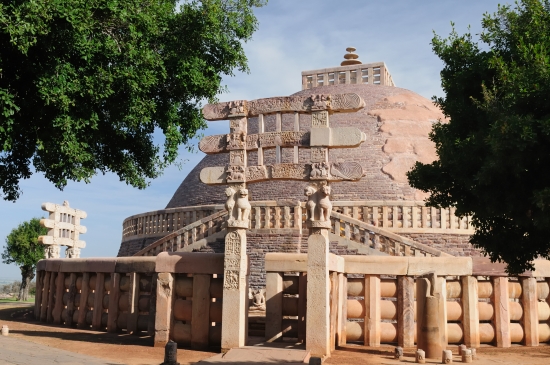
(243, 205)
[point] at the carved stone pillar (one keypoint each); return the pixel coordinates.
(318, 286)
(235, 284)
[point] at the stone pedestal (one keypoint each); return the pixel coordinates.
(235, 289)
(318, 294)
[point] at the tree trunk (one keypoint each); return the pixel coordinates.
(27, 274)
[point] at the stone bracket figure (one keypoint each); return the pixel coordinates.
(243, 205)
(238, 207)
(318, 206)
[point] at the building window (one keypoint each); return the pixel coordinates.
(365, 76)
(309, 82)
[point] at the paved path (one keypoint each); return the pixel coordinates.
(261, 354)
(20, 352)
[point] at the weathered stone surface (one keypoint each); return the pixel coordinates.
(338, 102)
(183, 262)
(337, 171)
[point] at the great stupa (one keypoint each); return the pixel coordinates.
(381, 214)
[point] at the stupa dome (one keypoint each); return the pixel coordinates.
(397, 123)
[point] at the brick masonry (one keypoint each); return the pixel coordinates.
(454, 244)
(376, 185)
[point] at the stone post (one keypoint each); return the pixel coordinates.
(501, 318)
(530, 314)
(470, 311)
(405, 311)
(235, 292)
(318, 292)
(318, 283)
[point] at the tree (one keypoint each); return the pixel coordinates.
(494, 152)
(85, 84)
(22, 248)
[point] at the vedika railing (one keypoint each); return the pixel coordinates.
(393, 216)
(378, 238)
(186, 236)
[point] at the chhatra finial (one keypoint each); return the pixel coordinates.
(351, 58)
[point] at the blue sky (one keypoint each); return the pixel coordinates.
(293, 36)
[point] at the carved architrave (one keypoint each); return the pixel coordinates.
(236, 141)
(235, 174)
(304, 104)
(347, 170)
(346, 101)
(286, 171)
(319, 154)
(290, 171)
(320, 101)
(319, 119)
(213, 144)
(256, 173)
(237, 158)
(237, 108)
(284, 139)
(319, 171)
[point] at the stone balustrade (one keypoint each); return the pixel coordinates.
(379, 239)
(405, 216)
(379, 305)
(188, 235)
(375, 73)
(162, 222)
(173, 296)
(393, 216)
(269, 215)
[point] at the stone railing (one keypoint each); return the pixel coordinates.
(162, 222)
(286, 292)
(187, 235)
(379, 239)
(379, 305)
(173, 296)
(370, 73)
(393, 216)
(405, 216)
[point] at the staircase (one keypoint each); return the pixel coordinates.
(194, 235)
(349, 232)
(369, 239)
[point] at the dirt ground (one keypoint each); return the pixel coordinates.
(136, 350)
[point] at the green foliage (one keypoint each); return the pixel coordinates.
(22, 247)
(84, 84)
(494, 152)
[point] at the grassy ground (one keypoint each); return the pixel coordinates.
(14, 299)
